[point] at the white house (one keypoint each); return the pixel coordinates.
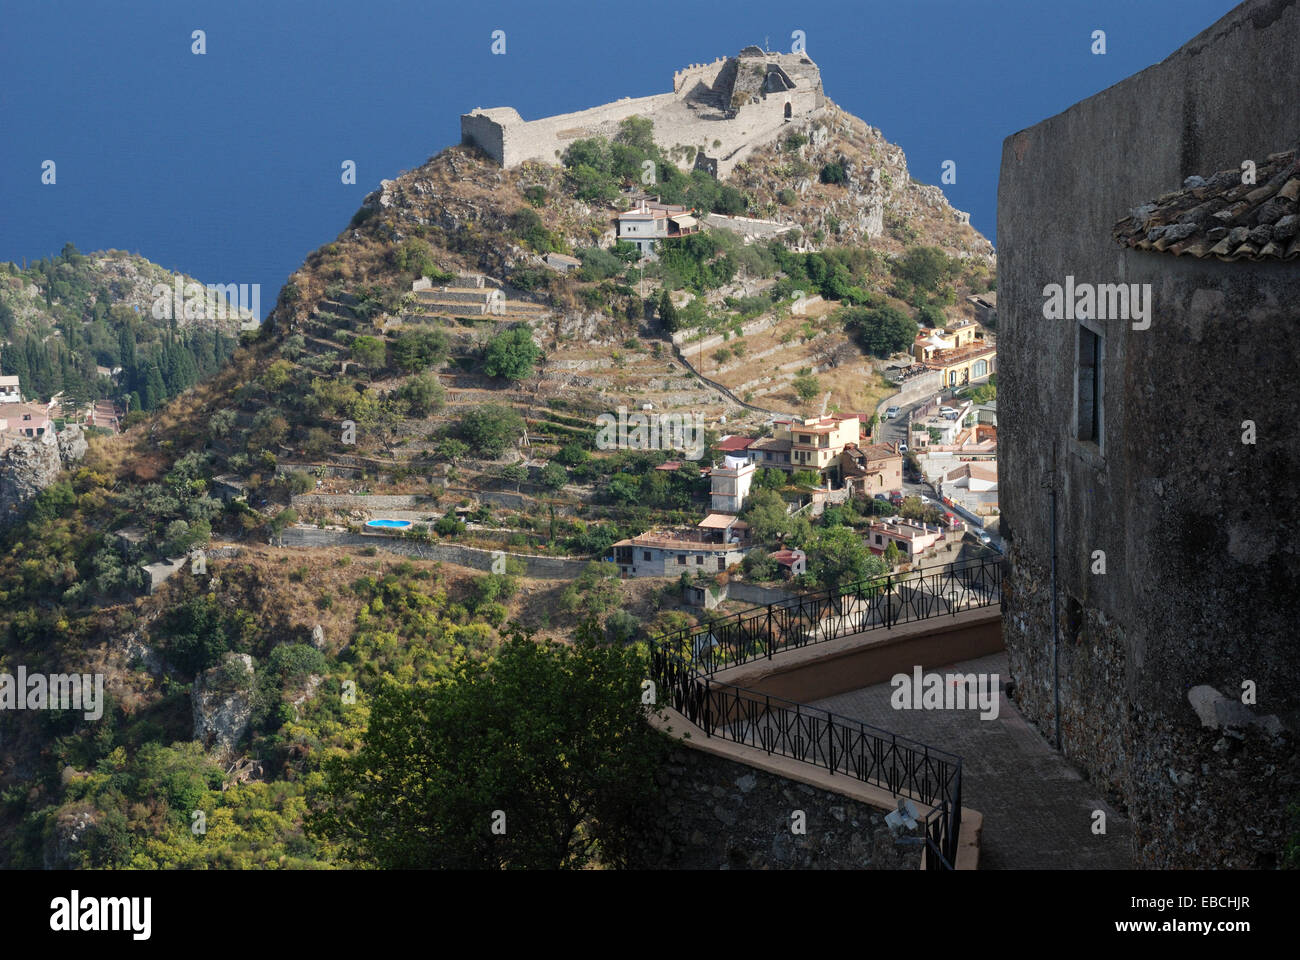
(730, 484)
(9, 392)
(651, 221)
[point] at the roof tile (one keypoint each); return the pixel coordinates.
(1222, 217)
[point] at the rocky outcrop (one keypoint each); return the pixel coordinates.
(29, 466)
(223, 701)
(72, 444)
(26, 468)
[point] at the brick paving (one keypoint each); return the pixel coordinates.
(1037, 808)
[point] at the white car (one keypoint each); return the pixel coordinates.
(902, 447)
(924, 499)
(891, 413)
(946, 411)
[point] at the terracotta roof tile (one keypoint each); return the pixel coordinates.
(1222, 217)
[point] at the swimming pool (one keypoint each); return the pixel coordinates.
(389, 524)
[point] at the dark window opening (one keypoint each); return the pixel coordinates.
(1088, 387)
(1073, 618)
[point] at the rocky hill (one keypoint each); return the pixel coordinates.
(429, 354)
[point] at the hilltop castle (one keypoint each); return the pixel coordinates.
(720, 112)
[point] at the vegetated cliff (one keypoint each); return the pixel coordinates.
(29, 466)
(838, 178)
(45, 292)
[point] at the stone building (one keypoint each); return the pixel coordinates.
(729, 106)
(1150, 436)
(714, 544)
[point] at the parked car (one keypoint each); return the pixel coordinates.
(985, 539)
(902, 447)
(947, 411)
(881, 496)
(891, 413)
(924, 499)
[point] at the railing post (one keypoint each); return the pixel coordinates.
(708, 700)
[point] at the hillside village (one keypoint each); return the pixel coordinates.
(557, 393)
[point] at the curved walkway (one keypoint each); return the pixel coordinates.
(1038, 810)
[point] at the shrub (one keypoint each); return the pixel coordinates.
(833, 173)
(490, 428)
(511, 354)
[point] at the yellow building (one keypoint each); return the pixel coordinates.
(817, 444)
(960, 353)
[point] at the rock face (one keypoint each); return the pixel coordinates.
(223, 701)
(29, 466)
(72, 444)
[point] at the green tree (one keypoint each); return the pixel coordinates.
(489, 429)
(766, 514)
(833, 173)
(515, 473)
(554, 476)
(419, 348)
(511, 354)
(551, 734)
(925, 267)
(370, 352)
(668, 312)
(423, 394)
(881, 331)
(837, 556)
(807, 387)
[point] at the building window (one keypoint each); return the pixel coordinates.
(699, 561)
(1089, 387)
(722, 563)
(981, 369)
(645, 555)
(681, 559)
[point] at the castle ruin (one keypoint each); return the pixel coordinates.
(724, 110)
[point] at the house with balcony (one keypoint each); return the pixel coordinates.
(9, 390)
(912, 539)
(714, 544)
(959, 353)
(651, 222)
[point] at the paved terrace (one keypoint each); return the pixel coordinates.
(1037, 808)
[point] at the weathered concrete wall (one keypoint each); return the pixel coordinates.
(716, 814)
(342, 501)
(1198, 529)
(538, 567)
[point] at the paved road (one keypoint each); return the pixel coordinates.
(1038, 810)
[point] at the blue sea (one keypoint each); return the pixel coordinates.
(226, 163)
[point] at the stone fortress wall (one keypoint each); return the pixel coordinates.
(738, 103)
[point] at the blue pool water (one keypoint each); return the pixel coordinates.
(398, 524)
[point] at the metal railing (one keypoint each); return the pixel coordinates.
(876, 603)
(682, 665)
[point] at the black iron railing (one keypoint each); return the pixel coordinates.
(877, 603)
(683, 664)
